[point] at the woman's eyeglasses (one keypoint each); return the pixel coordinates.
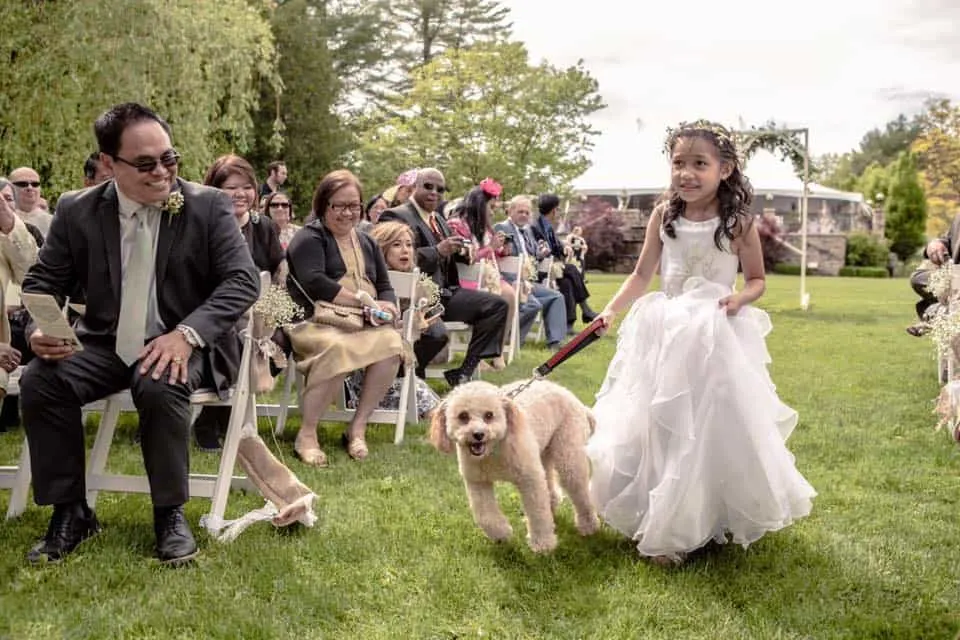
(341, 208)
(23, 184)
(429, 186)
(279, 205)
(169, 160)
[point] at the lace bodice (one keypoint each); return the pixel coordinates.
(693, 253)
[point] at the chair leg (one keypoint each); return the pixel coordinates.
(407, 399)
(244, 411)
(21, 485)
(101, 447)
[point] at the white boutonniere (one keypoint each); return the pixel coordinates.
(173, 204)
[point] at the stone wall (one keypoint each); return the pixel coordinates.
(827, 251)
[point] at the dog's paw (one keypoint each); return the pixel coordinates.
(588, 526)
(498, 531)
(543, 544)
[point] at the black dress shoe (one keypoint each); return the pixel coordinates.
(175, 543)
(70, 525)
(589, 316)
(454, 377)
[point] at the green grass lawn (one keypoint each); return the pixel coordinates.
(395, 553)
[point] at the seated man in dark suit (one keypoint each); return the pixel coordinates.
(570, 284)
(438, 249)
(166, 277)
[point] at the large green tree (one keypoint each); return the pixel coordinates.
(487, 111)
(938, 148)
(197, 64)
(315, 137)
(414, 32)
(906, 208)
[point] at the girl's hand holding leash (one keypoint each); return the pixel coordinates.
(606, 318)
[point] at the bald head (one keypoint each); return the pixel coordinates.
(26, 183)
(429, 189)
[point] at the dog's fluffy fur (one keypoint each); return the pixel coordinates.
(532, 441)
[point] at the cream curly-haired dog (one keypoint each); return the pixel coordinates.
(532, 441)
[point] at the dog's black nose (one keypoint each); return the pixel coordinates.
(478, 435)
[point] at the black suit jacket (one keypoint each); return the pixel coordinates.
(543, 230)
(206, 278)
(263, 238)
(444, 270)
(316, 266)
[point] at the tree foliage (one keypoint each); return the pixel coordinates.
(938, 148)
(877, 147)
(414, 32)
(486, 111)
(906, 208)
(316, 138)
(197, 64)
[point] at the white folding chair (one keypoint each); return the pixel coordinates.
(546, 266)
(216, 487)
(405, 286)
(459, 333)
(513, 265)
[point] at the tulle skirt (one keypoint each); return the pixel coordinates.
(690, 439)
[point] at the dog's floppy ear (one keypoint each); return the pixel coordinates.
(438, 429)
(514, 416)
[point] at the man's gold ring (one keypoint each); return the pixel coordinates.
(177, 360)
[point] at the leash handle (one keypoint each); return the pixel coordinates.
(589, 335)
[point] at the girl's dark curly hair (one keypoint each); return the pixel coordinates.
(734, 193)
(475, 211)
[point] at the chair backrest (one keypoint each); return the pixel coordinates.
(405, 283)
(470, 274)
(512, 266)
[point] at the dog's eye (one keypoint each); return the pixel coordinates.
(488, 416)
(463, 417)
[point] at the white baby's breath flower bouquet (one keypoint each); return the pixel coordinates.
(945, 326)
(275, 308)
(428, 300)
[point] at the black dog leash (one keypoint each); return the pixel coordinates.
(589, 335)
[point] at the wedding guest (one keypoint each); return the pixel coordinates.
(166, 277)
(330, 261)
(235, 176)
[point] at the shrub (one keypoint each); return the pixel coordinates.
(785, 269)
(863, 272)
(603, 230)
(864, 250)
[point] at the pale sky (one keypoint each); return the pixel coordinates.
(839, 67)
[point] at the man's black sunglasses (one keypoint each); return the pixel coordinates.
(169, 160)
(23, 184)
(279, 205)
(429, 186)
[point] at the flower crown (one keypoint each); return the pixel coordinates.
(722, 135)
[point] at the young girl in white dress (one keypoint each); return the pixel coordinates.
(690, 439)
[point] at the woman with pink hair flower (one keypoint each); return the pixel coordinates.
(475, 223)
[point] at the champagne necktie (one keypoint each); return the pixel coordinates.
(135, 291)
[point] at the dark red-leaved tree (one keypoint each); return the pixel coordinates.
(602, 228)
